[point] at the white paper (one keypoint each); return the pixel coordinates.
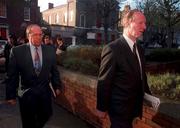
(22, 92)
(51, 87)
(152, 100)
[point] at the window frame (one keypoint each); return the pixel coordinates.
(28, 15)
(82, 23)
(4, 9)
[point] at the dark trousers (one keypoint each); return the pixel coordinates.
(117, 122)
(35, 110)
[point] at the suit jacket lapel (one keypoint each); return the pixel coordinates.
(141, 58)
(29, 58)
(43, 56)
(44, 59)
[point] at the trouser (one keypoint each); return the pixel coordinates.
(117, 122)
(35, 109)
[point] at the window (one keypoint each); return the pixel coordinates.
(49, 19)
(71, 16)
(82, 20)
(65, 17)
(56, 18)
(3, 8)
(3, 32)
(26, 13)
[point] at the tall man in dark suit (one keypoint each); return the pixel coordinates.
(122, 80)
(35, 65)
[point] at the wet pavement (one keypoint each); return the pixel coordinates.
(10, 116)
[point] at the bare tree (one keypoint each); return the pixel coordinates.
(161, 14)
(150, 9)
(169, 12)
(108, 13)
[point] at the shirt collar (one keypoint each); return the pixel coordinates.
(129, 41)
(33, 47)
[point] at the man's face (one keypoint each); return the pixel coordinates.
(35, 37)
(137, 26)
(47, 40)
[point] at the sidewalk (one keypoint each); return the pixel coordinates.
(10, 118)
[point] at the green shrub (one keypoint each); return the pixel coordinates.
(92, 53)
(84, 66)
(85, 59)
(72, 63)
(166, 85)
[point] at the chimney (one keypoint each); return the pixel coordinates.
(50, 5)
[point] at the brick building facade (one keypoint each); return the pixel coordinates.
(15, 15)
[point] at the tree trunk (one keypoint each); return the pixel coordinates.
(106, 30)
(169, 40)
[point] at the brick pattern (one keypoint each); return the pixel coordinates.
(80, 99)
(14, 22)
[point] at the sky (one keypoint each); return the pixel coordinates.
(44, 3)
(127, 2)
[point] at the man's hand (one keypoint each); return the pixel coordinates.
(11, 102)
(101, 114)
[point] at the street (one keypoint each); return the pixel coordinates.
(10, 116)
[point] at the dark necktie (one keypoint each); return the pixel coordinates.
(135, 54)
(134, 51)
(37, 62)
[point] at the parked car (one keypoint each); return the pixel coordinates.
(2, 46)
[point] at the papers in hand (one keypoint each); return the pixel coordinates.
(21, 92)
(153, 101)
(51, 87)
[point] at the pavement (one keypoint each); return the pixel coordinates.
(10, 116)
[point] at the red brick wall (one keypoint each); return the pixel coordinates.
(79, 97)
